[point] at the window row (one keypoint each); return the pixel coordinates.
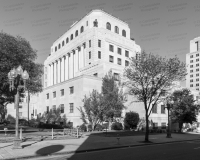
(196, 80)
(62, 108)
(197, 55)
(119, 50)
(197, 85)
(62, 93)
(191, 66)
(68, 39)
(154, 109)
(119, 61)
(197, 60)
(192, 75)
(196, 70)
(116, 29)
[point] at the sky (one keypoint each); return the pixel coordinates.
(163, 27)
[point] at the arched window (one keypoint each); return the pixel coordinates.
(71, 36)
(76, 34)
(82, 29)
(108, 26)
(67, 40)
(55, 49)
(63, 43)
(59, 46)
(124, 33)
(116, 29)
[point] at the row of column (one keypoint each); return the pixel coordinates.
(66, 67)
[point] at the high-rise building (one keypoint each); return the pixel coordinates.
(192, 63)
(95, 44)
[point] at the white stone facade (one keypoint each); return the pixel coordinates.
(193, 65)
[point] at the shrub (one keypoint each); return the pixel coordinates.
(131, 120)
(98, 127)
(49, 126)
(83, 127)
(11, 118)
(116, 126)
(105, 125)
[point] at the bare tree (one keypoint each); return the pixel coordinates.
(148, 77)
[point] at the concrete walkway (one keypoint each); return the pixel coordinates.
(87, 143)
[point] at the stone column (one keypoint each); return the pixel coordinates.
(84, 60)
(74, 62)
(70, 65)
(81, 57)
(58, 71)
(77, 65)
(66, 67)
(49, 75)
(62, 69)
(55, 72)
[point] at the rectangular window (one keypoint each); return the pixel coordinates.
(191, 80)
(197, 84)
(71, 90)
(197, 74)
(47, 109)
(163, 109)
(20, 106)
(155, 125)
(191, 85)
(126, 63)
(71, 107)
(54, 94)
(35, 112)
(89, 43)
(197, 44)
(62, 108)
(99, 54)
(119, 61)
(116, 76)
(191, 61)
(127, 53)
(96, 74)
(87, 23)
(197, 55)
(45, 76)
(163, 125)
(89, 55)
(111, 59)
(197, 79)
(197, 59)
(45, 84)
(191, 56)
(191, 71)
(54, 108)
(197, 64)
(191, 75)
(119, 51)
(191, 66)
(20, 114)
(62, 92)
(47, 95)
(111, 48)
(197, 69)
(99, 43)
(154, 109)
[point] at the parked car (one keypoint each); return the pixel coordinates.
(4, 122)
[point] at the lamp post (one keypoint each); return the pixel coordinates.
(16, 76)
(169, 106)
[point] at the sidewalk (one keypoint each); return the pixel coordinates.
(87, 143)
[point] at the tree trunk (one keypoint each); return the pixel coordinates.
(180, 127)
(147, 128)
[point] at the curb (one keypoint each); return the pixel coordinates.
(98, 149)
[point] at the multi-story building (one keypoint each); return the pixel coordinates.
(95, 44)
(192, 63)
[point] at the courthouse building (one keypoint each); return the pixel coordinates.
(95, 44)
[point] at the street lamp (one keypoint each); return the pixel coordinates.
(169, 105)
(16, 76)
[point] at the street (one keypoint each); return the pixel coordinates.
(174, 151)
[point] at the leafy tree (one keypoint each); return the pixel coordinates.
(15, 51)
(113, 97)
(184, 107)
(131, 120)
(149, 77)
(93, 109)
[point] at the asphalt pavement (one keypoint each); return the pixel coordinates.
(88, 143)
